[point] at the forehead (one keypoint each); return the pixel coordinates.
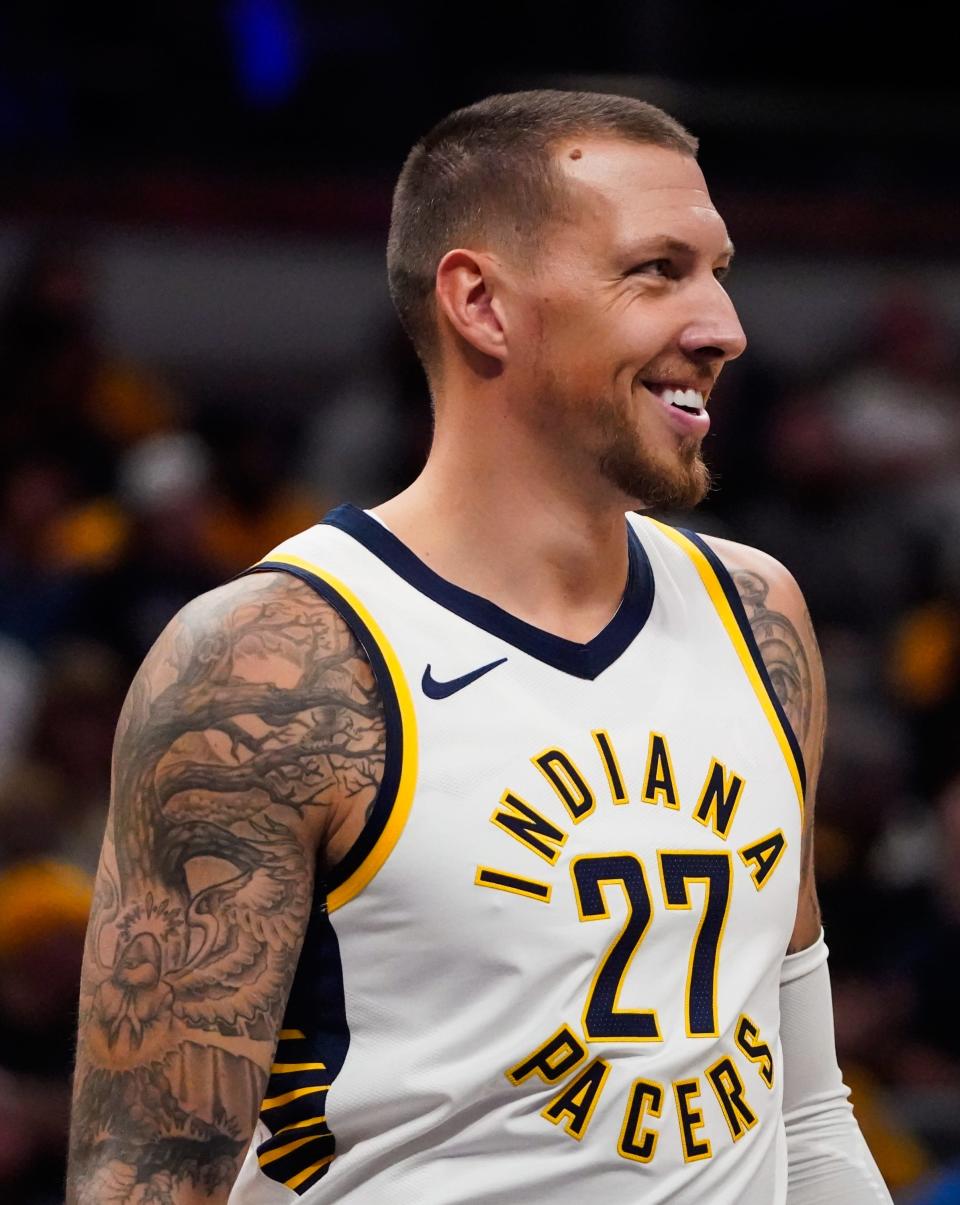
(623, 191)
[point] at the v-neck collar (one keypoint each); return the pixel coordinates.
(581, 660)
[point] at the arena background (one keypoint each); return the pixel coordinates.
(197, 357)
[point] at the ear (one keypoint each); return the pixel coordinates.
(469, 297)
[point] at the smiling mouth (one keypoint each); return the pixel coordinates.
(691, 401)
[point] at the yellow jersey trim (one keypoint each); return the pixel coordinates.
(728, 619)
(403, 800)
(276, 1101)
(295, 1181)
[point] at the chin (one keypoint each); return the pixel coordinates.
(655, 484)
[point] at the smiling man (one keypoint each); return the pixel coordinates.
(462, 851)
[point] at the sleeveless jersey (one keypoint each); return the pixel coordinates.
(551, 962)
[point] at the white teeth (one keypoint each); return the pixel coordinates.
(690, 398)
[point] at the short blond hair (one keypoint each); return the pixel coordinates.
(488, 170)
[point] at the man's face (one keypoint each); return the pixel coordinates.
(623, 311)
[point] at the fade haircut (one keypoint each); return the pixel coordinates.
(488, 171)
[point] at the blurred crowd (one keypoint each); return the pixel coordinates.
(121, 498)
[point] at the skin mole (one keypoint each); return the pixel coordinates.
(576, 153)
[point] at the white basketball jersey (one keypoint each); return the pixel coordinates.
(550, 966)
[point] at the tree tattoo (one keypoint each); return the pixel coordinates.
(256, 711)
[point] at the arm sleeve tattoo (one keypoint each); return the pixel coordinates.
(793, 663)
(782, 650)
(254, 714)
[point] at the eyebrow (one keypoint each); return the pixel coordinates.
(676, 246)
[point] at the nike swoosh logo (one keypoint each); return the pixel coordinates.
(442, 690)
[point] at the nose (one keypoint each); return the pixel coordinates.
(714, 334)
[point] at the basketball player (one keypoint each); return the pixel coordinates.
(463, 851)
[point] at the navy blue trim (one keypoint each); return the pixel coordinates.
(317, 1008)
(387, 793)
(581, 660)
(732, 594)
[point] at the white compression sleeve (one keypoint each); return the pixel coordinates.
(828, 1160)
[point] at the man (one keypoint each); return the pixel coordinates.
(525, 777)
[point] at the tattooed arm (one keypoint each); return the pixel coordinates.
(784, 634)
(827, 1158)
(251, 741)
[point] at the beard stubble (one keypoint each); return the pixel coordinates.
(656, 481)
(606, 430)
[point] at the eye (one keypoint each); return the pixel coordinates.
(721, 274)
(655, 267)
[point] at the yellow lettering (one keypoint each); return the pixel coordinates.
(563, 775)
(719, 799)
(560, 1053)
(659, 781)
(529, 827)
(574, 1105)
(637, 1143)
(685, 1091)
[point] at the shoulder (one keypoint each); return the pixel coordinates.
(269, 597)
(757, 573)
(266, 639)
(784, 634)
(766, 588)
(269, 627)
(259, 685)
(754, 572)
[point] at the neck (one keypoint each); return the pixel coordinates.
(495, 514)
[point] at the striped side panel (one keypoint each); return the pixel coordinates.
(311, 1049)
(301, 1146)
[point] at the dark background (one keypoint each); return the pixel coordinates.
(197, 358)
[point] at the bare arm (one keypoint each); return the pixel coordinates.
(827, 1158)
(784, 634)
(251, 736)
